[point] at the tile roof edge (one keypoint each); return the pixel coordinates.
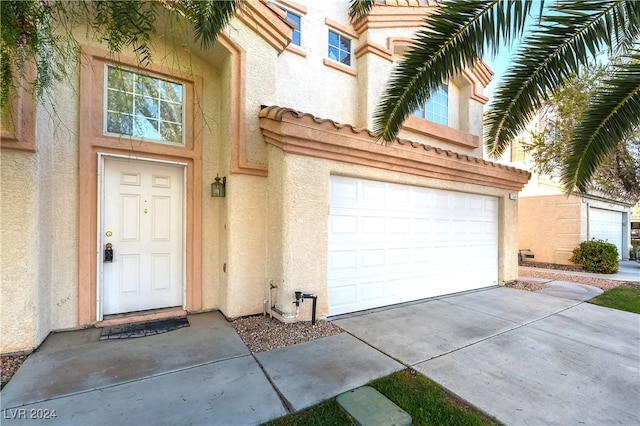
(277, 113)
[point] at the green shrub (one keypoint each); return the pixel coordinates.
(596, 256)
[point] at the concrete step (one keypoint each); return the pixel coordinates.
(368, 407)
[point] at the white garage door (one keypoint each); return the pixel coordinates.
(606, 225)
(392, 243)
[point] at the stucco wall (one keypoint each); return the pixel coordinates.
(306, 84)
(245, 233)
(28, 241)
(63, 144)
(19, 267)
(551, 227)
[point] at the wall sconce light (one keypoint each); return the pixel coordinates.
(218, 187)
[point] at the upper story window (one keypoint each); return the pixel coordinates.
(517, 150)
(437, 107)
(295, 36)
(339, 48)
(143, 106)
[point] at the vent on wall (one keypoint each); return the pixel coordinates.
(525, 254)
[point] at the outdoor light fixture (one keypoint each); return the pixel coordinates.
(217, 187)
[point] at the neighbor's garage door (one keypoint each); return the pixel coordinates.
(606, 225)
(392, 243)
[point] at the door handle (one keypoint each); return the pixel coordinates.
(108, 253)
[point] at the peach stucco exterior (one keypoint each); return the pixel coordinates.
(263, 113)
(551, 226)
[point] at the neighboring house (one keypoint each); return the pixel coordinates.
(551, 223)
(635, 222)
(107, 214)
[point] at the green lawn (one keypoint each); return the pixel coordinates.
(624, 298)
(425, 401)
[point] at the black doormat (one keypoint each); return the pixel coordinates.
(143, 329)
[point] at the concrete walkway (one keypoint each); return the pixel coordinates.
(628, 270)
(521, 357)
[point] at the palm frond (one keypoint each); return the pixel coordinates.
(568, 36)
(453, 37)
(207, 17)
(610, 118)
(125, 23)
(359, 9)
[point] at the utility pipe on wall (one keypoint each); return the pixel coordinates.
(300, 296)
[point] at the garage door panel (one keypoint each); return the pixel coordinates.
(344, 191)
(371, 291)
(372, 192)
(398, 195)
(421, 227)
(372, 258)
(343, 297)
(342, 224)
(441, 226)
(399, 256)
(408, 243)
(606, 225)
(398, 225)
(397, 288)
(421, 256)
(476, 204)
(459, 202)
(343, 260)
(441, 201)
(421, 198)
(373, 225)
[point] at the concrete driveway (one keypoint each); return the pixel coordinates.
(522, 358)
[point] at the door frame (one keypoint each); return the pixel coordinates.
(100, 219)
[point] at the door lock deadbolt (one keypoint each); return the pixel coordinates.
(108, 253)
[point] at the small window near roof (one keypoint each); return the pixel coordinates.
(517, 150)
(339, 48)
(143, 106)
(437, 107)
(296, 31)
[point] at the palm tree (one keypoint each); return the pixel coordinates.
(565, 36)
(41, 31)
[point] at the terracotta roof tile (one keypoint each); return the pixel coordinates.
(277, 113)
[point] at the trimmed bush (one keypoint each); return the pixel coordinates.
(596, 256)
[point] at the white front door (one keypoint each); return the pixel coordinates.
(142, 209)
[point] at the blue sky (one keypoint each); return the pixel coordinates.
(498, 65)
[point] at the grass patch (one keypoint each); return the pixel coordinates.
(326, 413)
(624, 298)
(425, 401)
